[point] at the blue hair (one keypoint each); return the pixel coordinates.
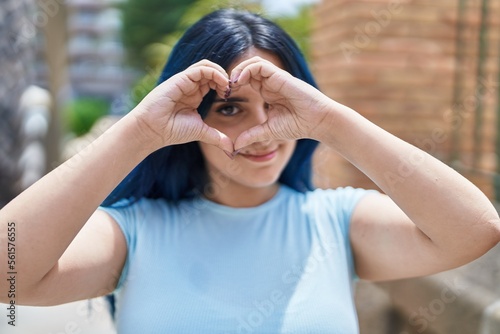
(178, 172)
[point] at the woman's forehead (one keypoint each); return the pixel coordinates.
(255, 52)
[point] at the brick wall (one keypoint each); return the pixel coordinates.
(419, 69)
(411, 66)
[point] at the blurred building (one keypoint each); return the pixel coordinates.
(24, 108)
(428, 72)
(95, 53)
(34, 85)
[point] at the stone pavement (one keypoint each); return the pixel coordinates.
(465, 300)
(83, 317)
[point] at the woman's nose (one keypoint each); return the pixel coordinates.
(260, 115)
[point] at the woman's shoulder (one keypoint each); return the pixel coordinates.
(138, 209)
(341, 198)
(136, 204)
(336, 193)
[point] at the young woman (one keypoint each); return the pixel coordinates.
(209, 222)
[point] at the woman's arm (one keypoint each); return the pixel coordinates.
(433, 219)
(50, 214)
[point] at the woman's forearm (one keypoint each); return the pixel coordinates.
(448, 208)
(49, 214)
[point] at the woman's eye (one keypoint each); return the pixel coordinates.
(228, 110)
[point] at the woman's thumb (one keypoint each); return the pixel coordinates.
(215, 137)
(256, 134)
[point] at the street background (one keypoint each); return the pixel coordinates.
(426, 71)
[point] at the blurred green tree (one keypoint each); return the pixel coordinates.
(298, 26)
(17, 51)
(81, 114)
(148, 21)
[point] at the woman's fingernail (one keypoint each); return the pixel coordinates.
(227, 93)
(229, 155)
(234, 79)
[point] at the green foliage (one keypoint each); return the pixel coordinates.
(299, 27)
(147, 21)
(201, 8)
(81, 114)
(144, 85)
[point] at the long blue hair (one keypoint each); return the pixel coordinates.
(178, 172)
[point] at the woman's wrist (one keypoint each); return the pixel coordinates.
(325, 130)
(139, 136)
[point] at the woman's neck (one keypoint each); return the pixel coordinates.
(240, 196)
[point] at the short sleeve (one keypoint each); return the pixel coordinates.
(339, 205)
(346, 200)
(130, 218)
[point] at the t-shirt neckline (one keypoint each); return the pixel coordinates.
(211, 205)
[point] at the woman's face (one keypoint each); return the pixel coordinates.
(260, 164)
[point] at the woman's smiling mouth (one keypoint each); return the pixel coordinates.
(260, 156)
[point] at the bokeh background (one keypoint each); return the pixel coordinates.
(427, 71)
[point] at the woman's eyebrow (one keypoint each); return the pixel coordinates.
(230, 99)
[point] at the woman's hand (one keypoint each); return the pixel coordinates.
(296, 108)
(168, 116)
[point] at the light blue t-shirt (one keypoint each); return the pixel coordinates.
(200, 267)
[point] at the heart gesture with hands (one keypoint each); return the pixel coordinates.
(168, 115)
(296, 108)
